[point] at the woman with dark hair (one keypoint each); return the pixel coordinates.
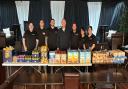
(82, 38)
(42, 33)
(30, 40)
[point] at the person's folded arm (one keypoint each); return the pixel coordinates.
(93, 46)
(24, 45)
(37, 42)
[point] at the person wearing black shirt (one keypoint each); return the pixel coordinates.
(82, 38)
(74, 37)
(30, 40)
(52, 36)
(63, 38)
(42, 33)
(91, 40)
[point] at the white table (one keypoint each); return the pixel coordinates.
(8, 66)
(23, 64)
(69, 64)
(40, 64)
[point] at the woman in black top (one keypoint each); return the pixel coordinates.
(30, 40)
(42, 33)
(82, 38)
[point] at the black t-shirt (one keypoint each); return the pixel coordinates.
(90, 41)
(52, 38)
(42, 33)
(82, 41)
(63, 39)
(75, 40)
(30, 39)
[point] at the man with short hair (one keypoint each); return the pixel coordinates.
(63, 38)
(91, 40)
(74, 37)
(52, 36)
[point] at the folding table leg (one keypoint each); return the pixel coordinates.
(115, 87)
(7, 72)
(25, 86)
(45, 86)
(88, 85)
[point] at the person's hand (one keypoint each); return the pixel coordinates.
(35, 48)
(57, 49)
(90, 49)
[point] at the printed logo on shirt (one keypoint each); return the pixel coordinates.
(90, 38)
(56, 32)
(33, 34)
(43, 33)
(77, 34)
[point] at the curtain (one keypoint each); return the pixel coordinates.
(105, 19)
(118, 11)
(40, 9)
(8, 14)
(57, 11)
(94, 9)
(22, 11)
(76, 11)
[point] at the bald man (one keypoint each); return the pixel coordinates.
(63, 38)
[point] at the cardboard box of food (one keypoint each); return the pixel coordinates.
(51, 57)
(100, 57)
(21, 58)
(85, 57)
(35, 56)
(57, 57)
(7, 54)
(44, 57)
(63, 57)
(73, 56)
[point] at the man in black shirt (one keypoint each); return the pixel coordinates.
(42, 33)
(52, 36)
(63, 38)
(74, 37)
(91, 40)
(30, 40)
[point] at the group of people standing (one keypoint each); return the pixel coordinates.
(58, 39)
